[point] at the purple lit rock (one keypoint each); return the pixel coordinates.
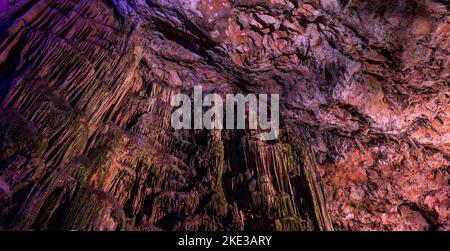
(86, 141)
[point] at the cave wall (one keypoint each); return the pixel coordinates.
(85, 135)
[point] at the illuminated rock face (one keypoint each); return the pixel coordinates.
(85, 135)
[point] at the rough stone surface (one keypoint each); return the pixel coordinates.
(85, 135)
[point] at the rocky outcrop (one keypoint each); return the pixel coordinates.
(85, 135)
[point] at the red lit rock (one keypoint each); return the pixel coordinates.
(86, 141)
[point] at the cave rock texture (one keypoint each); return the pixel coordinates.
(85, 135)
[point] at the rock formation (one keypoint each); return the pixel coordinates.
(85, 135)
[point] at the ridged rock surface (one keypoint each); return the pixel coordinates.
(85, 135)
